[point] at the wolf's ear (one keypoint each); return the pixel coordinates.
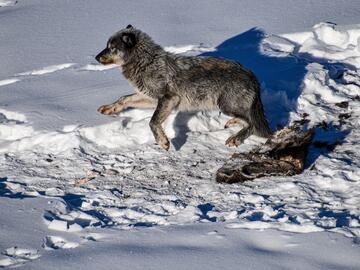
(129, 26)
(129, 40)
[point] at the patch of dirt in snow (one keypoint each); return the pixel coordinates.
(114, 174)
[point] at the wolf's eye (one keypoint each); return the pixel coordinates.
(112, 49)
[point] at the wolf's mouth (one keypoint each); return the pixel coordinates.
(102, 57)
(105, 61)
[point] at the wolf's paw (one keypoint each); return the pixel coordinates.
(233, 140)
(110, 109)
(164, 143)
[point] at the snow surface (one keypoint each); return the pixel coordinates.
(74, 179)
(194, 246)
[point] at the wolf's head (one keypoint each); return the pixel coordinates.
(120, 46)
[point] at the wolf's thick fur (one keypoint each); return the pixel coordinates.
(166, 81)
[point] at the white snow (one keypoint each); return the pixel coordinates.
(126, 158)
(101, 186)
(196, 246)
(189, 49)
(56, 242)
(97, 67)
(46, 70)
(4, 3)
(8, 81)
(16, 256)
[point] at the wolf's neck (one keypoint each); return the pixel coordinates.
(142, 56)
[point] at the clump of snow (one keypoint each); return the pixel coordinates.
(328, 43)
(57, 242)
(7, 3)
(189, 49)
(8, 116)
(13, 126)
(8, 81)
(16, 256)
(326, 33)
(58, 225)
(97, 67)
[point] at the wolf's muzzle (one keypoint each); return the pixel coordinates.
(102, 56)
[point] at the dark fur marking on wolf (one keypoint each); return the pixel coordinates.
(168, 81)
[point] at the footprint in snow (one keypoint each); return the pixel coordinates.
(93, 237)
(216, 234)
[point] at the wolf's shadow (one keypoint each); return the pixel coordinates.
(281, 79)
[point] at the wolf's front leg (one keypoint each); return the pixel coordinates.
(134, 101)
(165, 105)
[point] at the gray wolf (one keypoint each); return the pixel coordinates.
(168, 82)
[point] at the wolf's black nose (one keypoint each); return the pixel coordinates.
(98, 57)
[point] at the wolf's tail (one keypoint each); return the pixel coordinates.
(258, 120)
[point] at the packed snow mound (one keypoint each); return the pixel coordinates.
(15, 256)
(131, 129)
(114, 175)
(326, 42)
(13, 127)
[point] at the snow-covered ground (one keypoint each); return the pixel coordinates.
(77, 187)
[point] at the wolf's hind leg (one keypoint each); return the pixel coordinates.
(165, 105)
(133, 101)
(239, 138)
